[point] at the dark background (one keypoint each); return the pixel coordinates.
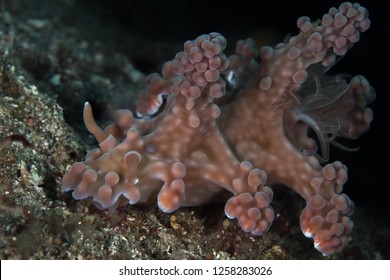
(163, 24)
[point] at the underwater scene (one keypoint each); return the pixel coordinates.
(193, 130)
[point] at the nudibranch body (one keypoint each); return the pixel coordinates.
(206, 144)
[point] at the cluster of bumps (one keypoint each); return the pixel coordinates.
(215, 129)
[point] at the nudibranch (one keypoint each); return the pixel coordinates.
(214, 128)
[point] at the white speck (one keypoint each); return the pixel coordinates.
(56, 80)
